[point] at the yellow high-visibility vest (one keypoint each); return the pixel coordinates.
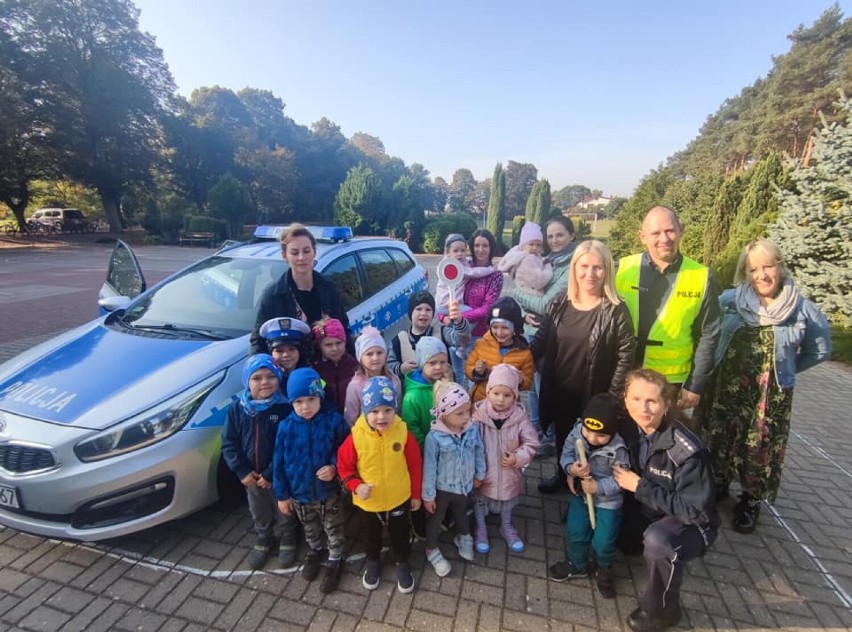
(670, 345)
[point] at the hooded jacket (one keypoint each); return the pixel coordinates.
(487, 348)
(416, 409)
(516, 436)
(530, 272)
(337, 377)
(248, 442)
(601, 459)
(452, 460)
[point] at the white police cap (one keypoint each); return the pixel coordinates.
(284, 330)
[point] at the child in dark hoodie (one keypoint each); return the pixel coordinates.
(334, 364)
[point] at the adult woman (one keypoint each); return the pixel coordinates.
(769, 333)
(585, 344)
(480, 294)
(300, 291)
(672, 483)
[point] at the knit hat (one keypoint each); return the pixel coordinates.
(259, 361)
(451, 239)
(448, 397)
(379, 391)
(601, 414)
(420, 298)
(427, 347)
(369, 337)
(530, 232)
(284, 330)
(304, 382)
(506, 310)
(329, 328)
(504, 375)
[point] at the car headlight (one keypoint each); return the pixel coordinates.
(151, 426)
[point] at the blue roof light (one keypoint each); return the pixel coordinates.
(268, 232)
(321, 233)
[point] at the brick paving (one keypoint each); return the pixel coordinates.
(794, 572)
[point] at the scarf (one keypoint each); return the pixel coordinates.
(776, 313)
(561, 258)
(495, 416)
(255, 406)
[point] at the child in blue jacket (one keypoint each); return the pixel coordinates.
(453, 464)
(305, 473)
(248, 440)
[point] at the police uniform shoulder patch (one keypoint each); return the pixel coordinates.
(685, 445)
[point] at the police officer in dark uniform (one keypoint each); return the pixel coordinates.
(672, 481)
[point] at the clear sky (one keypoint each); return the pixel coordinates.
(592, 92)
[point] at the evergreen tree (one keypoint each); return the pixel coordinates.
(358, 201)
(538, 204)
(497, 205)
(721, 215)
(532, 212)
(624, 237)
(814, 227)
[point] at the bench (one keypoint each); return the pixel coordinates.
(205, 239)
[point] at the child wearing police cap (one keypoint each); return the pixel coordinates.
(604, 448)
(288, 342)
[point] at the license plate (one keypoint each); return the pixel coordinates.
(8, 497)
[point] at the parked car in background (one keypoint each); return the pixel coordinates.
(65, 220)
(115, 426)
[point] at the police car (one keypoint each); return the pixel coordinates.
(115, 426)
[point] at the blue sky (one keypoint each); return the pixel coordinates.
(590, 92)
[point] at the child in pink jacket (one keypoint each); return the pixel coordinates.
(510, 444)
(524, 263)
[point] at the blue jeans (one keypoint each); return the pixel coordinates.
(578, 531)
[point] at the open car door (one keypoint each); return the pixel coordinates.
(124, 280)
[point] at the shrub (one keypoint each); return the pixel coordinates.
(206, 224)
(437, 230)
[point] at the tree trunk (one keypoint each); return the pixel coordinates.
(110, 204)
(809, 147)
(18, 206)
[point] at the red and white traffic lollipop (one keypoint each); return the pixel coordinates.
(451, 273)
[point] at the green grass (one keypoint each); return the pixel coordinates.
(841, 344)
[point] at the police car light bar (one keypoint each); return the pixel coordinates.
(332, 234)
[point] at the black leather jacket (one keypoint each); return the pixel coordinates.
(611, 354)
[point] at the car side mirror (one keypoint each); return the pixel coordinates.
(112, 303)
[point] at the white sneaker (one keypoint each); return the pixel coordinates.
(439, 563)
(464, 543)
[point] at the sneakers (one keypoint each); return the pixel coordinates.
(372, 575)
(439, 562)
(258, 554)
(311, 567)
(464, 543)
(287, 556)
(404, 578)
(331, 578)
(563, 571)
(512, 538)
(482, 545)
(605, 582)
(746, 512)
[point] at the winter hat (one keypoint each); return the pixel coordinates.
(448, 397)
(504, 375)
(419, 298)
(379, 391)
(601, 414)
(370, 337)
(530, 232)
(506, 310)
(284, 330)
(259, 361)
(329, 328)
(427, 347)
(451, 239)
(304, 382)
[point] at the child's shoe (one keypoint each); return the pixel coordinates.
(372, 575)
(287, 556)
(331, 578)
(404, 578)
(563, 571)
(310, 569)
(439, 562)
(464, 543)
(512, 538)
(482, 545)
(605, 582)
(258, 554)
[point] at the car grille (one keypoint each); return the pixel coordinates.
(21, 459)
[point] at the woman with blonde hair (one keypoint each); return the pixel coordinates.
(585, 343)
(770, 332)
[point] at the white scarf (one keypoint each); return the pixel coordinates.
(776, 313)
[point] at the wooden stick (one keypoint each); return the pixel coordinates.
(590, 503)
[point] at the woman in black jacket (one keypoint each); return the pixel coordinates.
(586, 344)
(301, 291)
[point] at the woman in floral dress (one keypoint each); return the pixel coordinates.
(770, 332)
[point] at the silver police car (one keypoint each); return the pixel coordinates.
(115, 426)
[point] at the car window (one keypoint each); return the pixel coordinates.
(379, 269)
(404, 263)
(343, 272)
(72, 214)
(218, 294)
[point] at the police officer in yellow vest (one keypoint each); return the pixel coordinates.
(674, 307)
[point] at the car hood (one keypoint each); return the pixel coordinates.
(95, 376)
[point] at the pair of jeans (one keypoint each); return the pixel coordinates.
(579, 533)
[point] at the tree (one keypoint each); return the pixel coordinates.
(371, 146)
(230, 200)
(497, 205)
(272, 177)
(624, 237)
(520, 179)
(571, 195)
(814, 227)
(462, 191)
(358, 200)
(442, 194)
(109, 84)
(538, 205)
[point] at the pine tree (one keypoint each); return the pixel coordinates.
(497, 205)
(814, 228)
(358, 200)
(532, 212)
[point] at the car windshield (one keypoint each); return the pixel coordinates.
(216, 298)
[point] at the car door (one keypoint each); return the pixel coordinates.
(388, 283)
(346, 275)
(124, 280)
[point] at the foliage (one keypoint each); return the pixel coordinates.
(571, 195)
(624, 237)
(462, 191)
(407, 218)
(164, 215)
(538, 205)
(496, 204)
(518, 222)
(584, 230)
(358, 201)
(841, 344)
(436, 231)
(814, 227)
(206, 224)
(520, 179)
(230, 201)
